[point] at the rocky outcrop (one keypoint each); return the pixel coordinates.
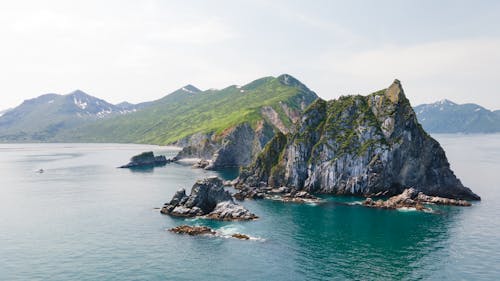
(147, 159)
(411, 198)
(209, 199)
(357, 145)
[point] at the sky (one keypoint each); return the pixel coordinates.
(142, 50)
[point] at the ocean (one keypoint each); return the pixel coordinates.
(85, 219)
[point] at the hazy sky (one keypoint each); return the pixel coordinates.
(142, 50)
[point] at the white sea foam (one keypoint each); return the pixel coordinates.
(229, 230)
(406, 209)
(189, 160)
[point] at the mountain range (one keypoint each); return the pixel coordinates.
(446, 116)
(188, 115)
(42, 118)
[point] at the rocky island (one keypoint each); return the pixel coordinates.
(147, 159)
(356, 145)
(207, 199)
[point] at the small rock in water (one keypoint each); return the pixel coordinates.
(240, 236)
(147, 159)
(203, 230)
(192, 230)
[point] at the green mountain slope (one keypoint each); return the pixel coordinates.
(189, 111)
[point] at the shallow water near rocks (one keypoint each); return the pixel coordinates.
(84, 219)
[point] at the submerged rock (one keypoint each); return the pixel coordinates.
(358, 145)
(208, 198)
(147, 159)
(412, 198)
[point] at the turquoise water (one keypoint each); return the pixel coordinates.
(83, 219)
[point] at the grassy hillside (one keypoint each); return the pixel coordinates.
(182, 113)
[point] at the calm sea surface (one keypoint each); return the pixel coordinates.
(84, 219)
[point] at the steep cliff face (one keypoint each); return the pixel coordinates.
(236, 147)
(358, 145)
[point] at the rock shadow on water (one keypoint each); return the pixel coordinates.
(144, 169)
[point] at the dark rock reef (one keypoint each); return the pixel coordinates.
(208, 199)
(411, 198)
(147, 159)
(358, 145)
(283, 193)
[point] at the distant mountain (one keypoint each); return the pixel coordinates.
(448, 117)
(126, 106)
(2, 112)
(42, 118)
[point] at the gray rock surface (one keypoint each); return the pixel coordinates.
(358, 145)
(208, 198)
(237, 147)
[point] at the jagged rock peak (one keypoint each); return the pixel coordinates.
(394, 91)
(208, 198)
